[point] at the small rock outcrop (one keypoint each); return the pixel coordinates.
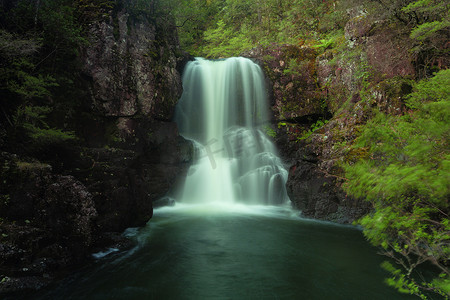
(375, 51)
(291, 76)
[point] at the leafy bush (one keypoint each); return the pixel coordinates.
(39, 67)
(32, 120)
(223, 42)
(426, 30)
(314, 127)
(331, 40)
(219, 28)
(406, 176)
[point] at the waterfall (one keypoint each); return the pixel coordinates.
(224, 111)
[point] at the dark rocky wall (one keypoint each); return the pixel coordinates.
(53, 224)
(52, 217)
(132, 61)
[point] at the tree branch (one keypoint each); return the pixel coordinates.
(189, 18)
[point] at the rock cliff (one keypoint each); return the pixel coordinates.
(131, 63)
(319, 101)
(55, 213)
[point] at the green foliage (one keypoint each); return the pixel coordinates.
(60, 27)
(442, 284)
(29, 86)
(406, 176)
(45, 137)
(33, 120)
(193, 18)
(39, 45)
(222, 42)
(314, 127)
(93, 10)
(428, 22)
(270, 131)
(219, 28)
(17, 71)
(436, 89)
(331, 40)
(295, 67)
(12, 45)
(429, 29)
(425, 11)
(401, 282)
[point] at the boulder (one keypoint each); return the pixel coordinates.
(52, 230)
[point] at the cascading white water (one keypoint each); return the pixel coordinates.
(224, 110)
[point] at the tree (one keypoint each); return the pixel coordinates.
(39, 46)
(405, 175)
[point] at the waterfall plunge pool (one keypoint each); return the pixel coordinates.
(225, 239)
(222, 251)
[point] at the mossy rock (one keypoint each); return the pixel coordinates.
(390, 94)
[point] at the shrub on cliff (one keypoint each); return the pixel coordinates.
(40, 70)
(405, 175)
(39, 43)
